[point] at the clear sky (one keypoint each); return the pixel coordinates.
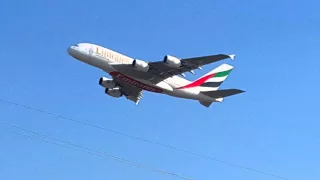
(273, 127)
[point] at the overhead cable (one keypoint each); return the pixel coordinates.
(141, 139)
(66, 144)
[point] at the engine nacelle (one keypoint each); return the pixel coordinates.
(114, 92)
(107, 83)
(172, 61)
(140, 65)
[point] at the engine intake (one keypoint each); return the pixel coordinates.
(140, 65)
(172, 61)
(107, 83)
(114, 92)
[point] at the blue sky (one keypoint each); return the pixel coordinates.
(273, 127)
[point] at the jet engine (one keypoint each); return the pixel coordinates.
(172, 61)
(114, 92)
(140, 65)
(107, 83)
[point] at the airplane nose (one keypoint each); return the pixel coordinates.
(71, 51)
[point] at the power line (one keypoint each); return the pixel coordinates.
(72, 146)
(142, 139)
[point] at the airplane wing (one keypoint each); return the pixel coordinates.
(132, 93)
(159, 70)
(187, 65)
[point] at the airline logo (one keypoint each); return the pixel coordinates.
(211, 80)
(134, 82)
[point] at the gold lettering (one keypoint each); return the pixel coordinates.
(99, 51)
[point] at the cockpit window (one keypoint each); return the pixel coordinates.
(76, 45)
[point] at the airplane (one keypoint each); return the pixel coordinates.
(130, 76)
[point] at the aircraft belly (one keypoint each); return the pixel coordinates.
(164, 86)
(186, 94)
(182, 94)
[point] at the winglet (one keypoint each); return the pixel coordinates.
(232, 56)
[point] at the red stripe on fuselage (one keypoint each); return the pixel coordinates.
(134, 82)
(197, 82)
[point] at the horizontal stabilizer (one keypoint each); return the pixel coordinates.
(222, 93)
(206, 103)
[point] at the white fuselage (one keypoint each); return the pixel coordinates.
(103, 58)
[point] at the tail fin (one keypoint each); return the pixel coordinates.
(216, 77)
(212, 80)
